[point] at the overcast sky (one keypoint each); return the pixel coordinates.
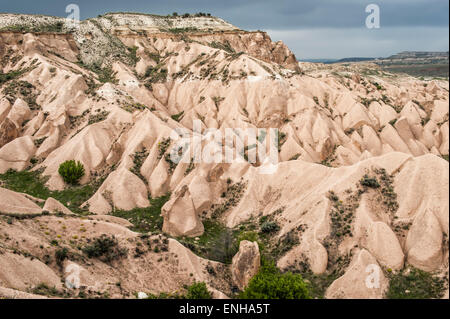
(311, 28)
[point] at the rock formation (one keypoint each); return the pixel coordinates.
(360, 177)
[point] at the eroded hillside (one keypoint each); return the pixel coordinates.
(362, 177)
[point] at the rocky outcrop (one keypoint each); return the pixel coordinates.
(8, 132)
(16, 203)
(53, 206)
(245, 263)
(180, 217)
(18, 272)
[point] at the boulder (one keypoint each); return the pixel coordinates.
(245, 264)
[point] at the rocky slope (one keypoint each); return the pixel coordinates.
(361, 178)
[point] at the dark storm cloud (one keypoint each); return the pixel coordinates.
(312, 28)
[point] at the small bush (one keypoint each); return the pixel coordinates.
(61, 255)
(270, 283)
(269, 227)
(105, 248)
(198, 290)
(71, 171)
(369, 182)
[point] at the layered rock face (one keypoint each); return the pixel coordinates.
(360, 178)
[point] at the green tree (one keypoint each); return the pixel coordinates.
(71, 171)
(198, 290)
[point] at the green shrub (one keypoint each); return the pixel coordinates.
(270, 283)
(269, 227)
(198, 290)
(71, 171)
(60, 255)
(105, 248)
(369, 182)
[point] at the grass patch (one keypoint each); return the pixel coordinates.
(217, 243)
(32, 183)
(415, 284)
(147, 219)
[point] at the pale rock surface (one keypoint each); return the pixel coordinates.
(384, 246)
(424, 242)
(121, 190)
(53, 206)
(180, 216)
(18, 272)
(15, 203)
(16, 154)
(353, 284)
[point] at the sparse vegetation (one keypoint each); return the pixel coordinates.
(138, 159)
(414, 283)
(23, 89)
(222, 46)
(105, 248)
(101, 116)
(11, 75)
(155, 74)
(341, 216)
(146, 219)
(131, 107)
(163, 145)
(43, 289)
(328, 161)
(132, 55)
(232, 196)
(57, 27)
(106, 75)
